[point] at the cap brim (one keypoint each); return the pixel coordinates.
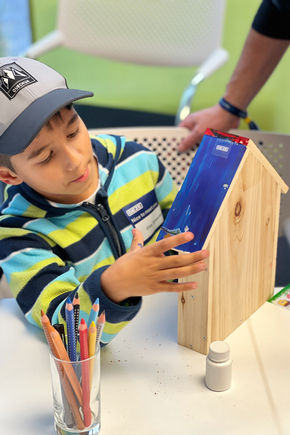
(23, 130)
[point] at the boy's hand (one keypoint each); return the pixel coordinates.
(138, 241)
(146, 270)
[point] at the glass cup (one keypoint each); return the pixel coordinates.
(76, 395)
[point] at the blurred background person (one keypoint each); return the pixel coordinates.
(266, 43)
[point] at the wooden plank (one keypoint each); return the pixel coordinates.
(244, 248)
(230, 268)
(193, 314)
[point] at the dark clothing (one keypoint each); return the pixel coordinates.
(273, 19)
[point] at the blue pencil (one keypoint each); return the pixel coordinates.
(76, 307)
(70, 325)
(94, 312)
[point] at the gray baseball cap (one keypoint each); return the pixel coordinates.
(30, 94)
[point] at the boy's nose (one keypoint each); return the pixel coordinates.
(70, 158)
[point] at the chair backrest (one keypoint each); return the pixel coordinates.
(151, 32)
(163, 141)
(276, 147)
(157, 32)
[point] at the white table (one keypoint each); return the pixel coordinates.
(150, 384)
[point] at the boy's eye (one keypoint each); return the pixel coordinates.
(73, 134)
(43, 162)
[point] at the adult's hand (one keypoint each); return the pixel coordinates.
(197, 122)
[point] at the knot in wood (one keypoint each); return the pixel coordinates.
(238, 209)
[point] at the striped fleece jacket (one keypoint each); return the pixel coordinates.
(51, 251)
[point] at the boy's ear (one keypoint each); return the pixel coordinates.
(8, 176)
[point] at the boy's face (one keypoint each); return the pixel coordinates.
(59, 162)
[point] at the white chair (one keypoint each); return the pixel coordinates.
(163, 141)
(152, 32)
(276, 147)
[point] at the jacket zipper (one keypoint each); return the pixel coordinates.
(99, 207)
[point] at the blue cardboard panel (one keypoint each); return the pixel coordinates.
(204, 188)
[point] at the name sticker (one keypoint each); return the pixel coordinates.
(145, 214)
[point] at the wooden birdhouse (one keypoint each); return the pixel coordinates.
(230, 200)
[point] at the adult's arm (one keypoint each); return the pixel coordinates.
(259, 58)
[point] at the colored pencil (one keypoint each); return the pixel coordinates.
(69, 380)
(94, 312)
(67, 374)
(76, 307)
(59, 351)
(60, 329)
(47, 328)
(92, 333)
(100, 326)
(72, 403)
(70, 325)
(68, 415)
(83, 337)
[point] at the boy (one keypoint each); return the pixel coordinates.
(70, 219)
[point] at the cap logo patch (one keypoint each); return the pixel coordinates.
(13, 78)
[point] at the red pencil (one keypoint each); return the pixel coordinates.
(83, 336)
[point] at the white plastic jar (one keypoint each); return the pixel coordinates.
(218, 374)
